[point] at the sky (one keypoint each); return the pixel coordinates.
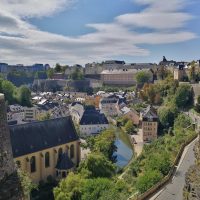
(83, 31)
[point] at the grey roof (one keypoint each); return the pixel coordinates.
(64, 163)
(92, 116)
(149, 112)
(37, 136)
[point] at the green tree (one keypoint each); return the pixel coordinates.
(24, 96)
(26, 183)
(50, 73)
(58, 68)
(44, 116)
(182, 121)
(104, 143)
(167, 115)
(183, 97)
(8, 90)
(147, 180)
(160, 162)
(97, 165)
(77, 74)
(95, 188)
(143, 77)
(129, 127)
(69, 188)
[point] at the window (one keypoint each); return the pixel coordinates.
(72, 151)
(63, 174)
(47, 160)
(33, 164)
(60, 152)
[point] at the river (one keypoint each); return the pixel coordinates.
(124, 148)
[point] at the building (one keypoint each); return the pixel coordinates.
(149, 124)
(6, 68)
(118, 77)
(180, 72)
(59, 76)
(109, 105)
(76, 110)
(125, 77)
(46, 148)
(92, 122)
(131, 114)
(15, 114)
(72, 69)
(9, 181)
(30, 114)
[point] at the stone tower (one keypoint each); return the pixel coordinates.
(9, 182)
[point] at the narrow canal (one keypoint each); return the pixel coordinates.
(124, 148)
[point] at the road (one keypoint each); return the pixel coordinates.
(174, 190)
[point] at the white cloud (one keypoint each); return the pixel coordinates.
(155, 20)
(34, 8)
(22, 42)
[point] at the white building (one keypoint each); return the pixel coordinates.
(93, 122)
(15, 114)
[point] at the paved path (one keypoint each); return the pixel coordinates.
(174, 190)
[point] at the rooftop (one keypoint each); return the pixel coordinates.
(37, 136)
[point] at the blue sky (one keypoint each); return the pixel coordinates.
(82, 31)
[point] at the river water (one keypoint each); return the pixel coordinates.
(124, 148)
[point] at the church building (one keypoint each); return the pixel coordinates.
(46, 148)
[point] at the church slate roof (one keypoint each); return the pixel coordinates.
(37, 136)
(64, 163)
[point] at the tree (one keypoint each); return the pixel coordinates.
(97, 165)
(8, 90)
(50, 73)
(41, 75)
(183, 97)
(77, 74)
(167, 115)
(104, 143)
(147, 180)
(95, 188)
(129, 127)
(159, 161)
(143, 77)
(69, 188)
(58, 68)
(24, 96)
(182, 121)
(76, 187)
(26, 183)
(44, 116)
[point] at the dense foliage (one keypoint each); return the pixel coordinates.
(156, 159)
(77, 187)
(143, 77)
(21, 95)
(96, 174)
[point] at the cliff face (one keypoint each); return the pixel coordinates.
(9, 182)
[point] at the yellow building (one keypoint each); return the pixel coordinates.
(46, 148)
(149, 124)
